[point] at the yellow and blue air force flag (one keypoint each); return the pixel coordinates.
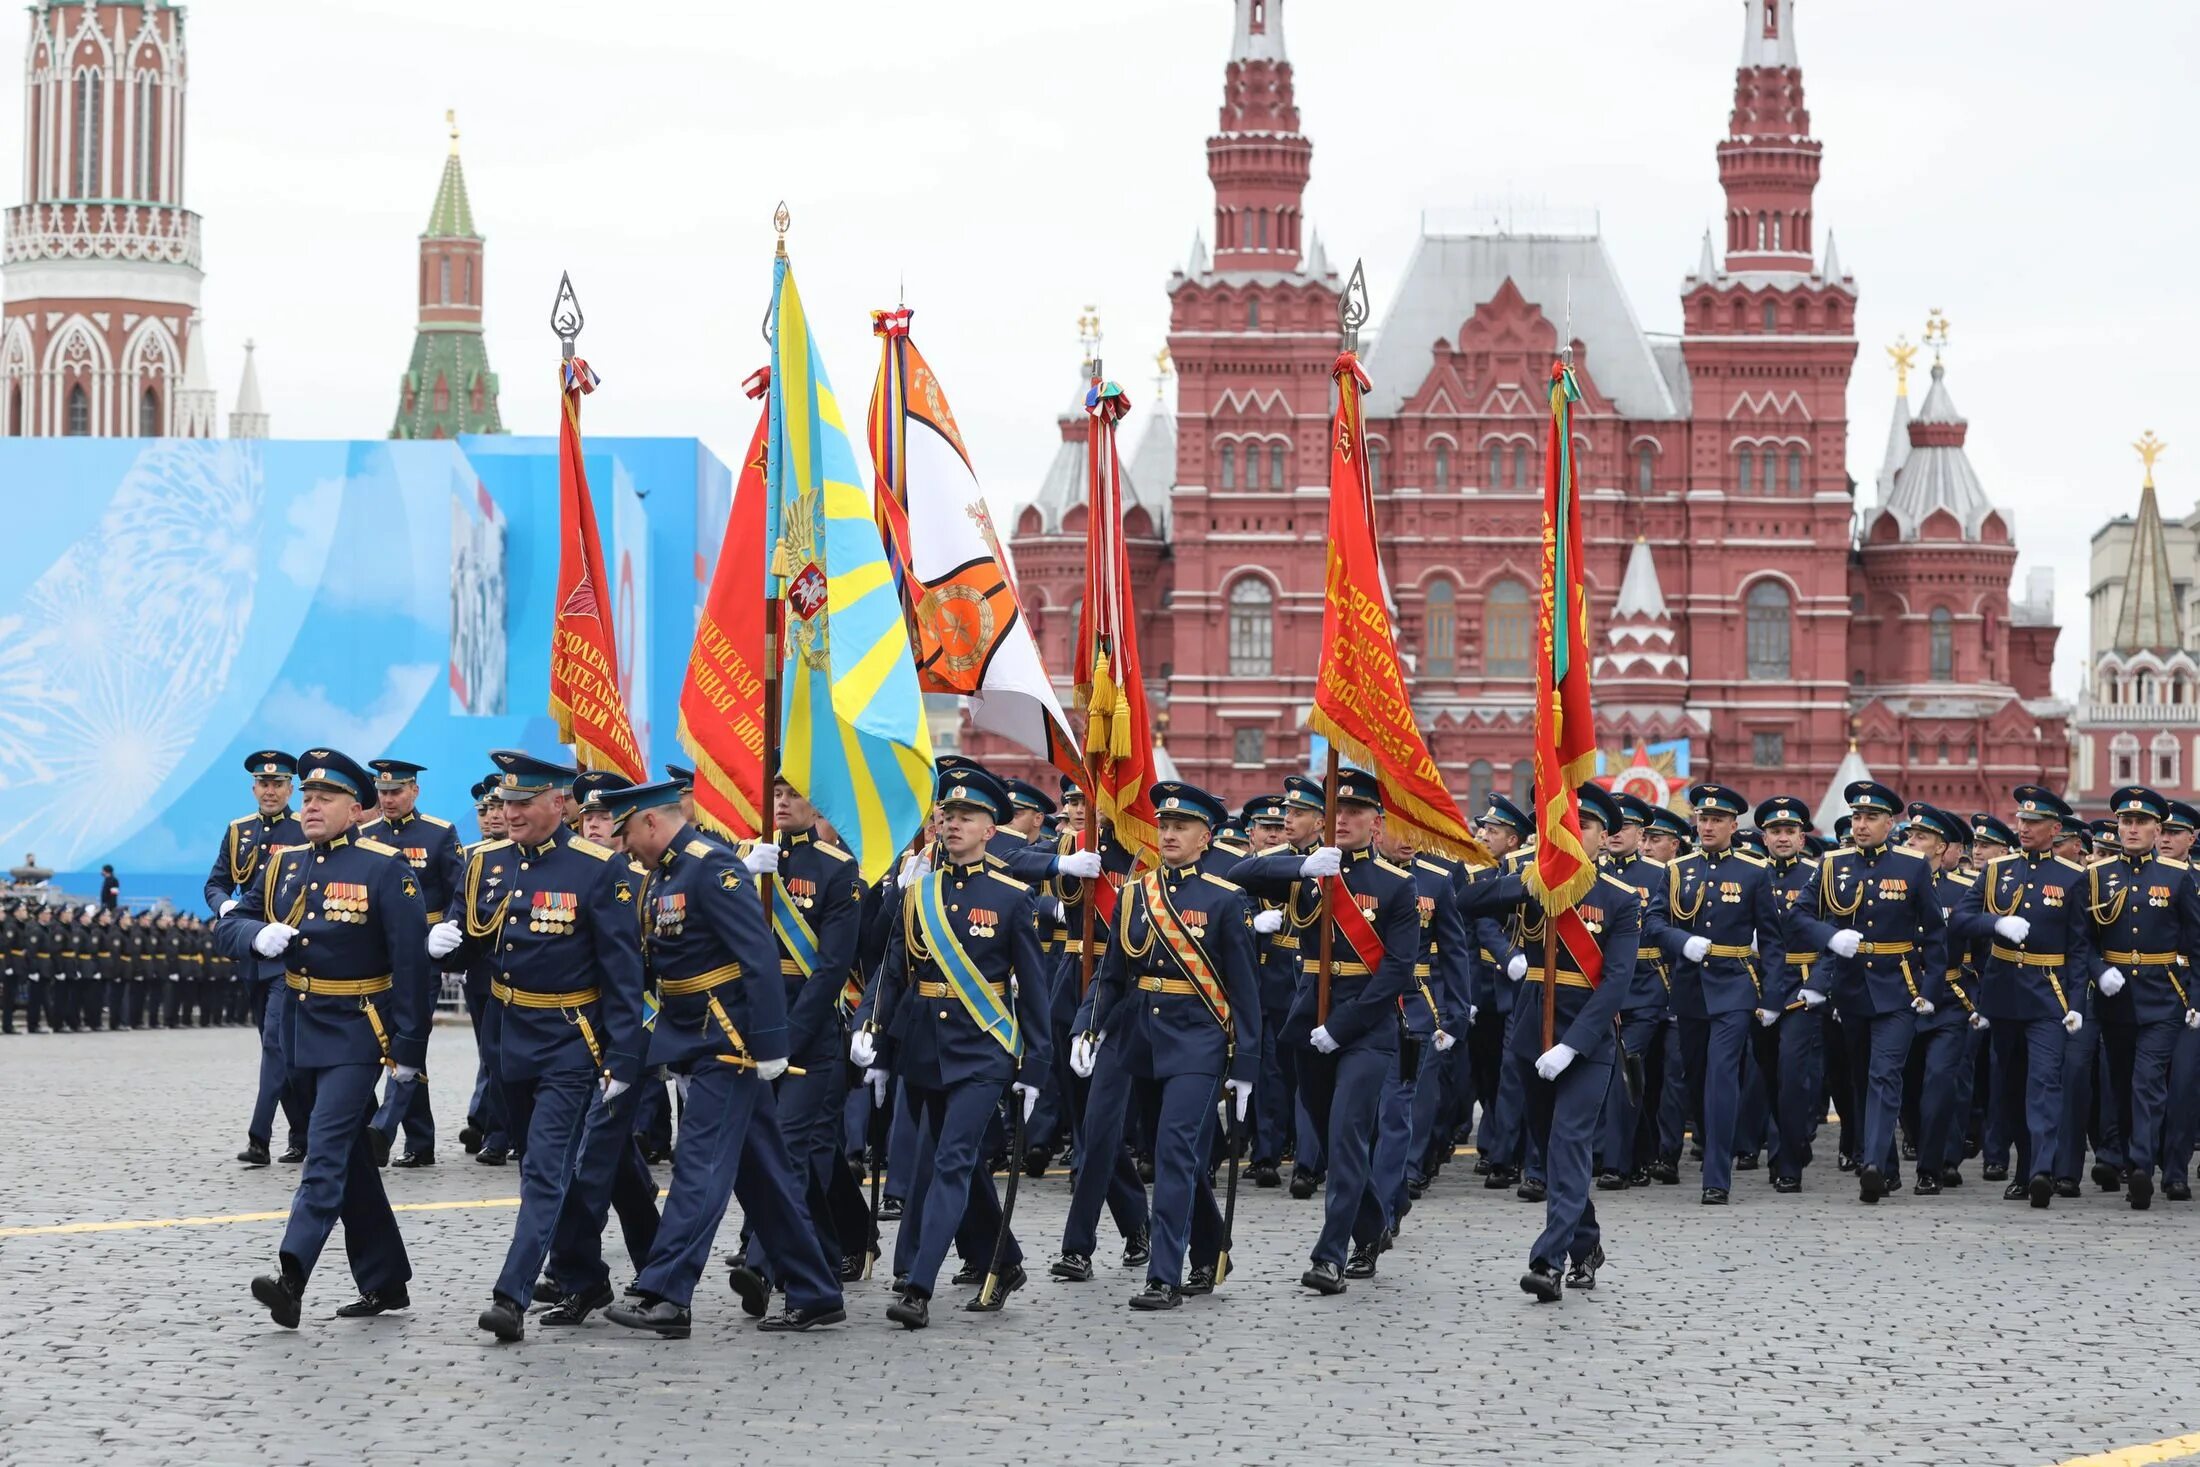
(853, 736)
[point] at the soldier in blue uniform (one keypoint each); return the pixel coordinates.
(484, 1134)
(1175, 1004)
(1283, 946)
(1731, 968)
(1435, 1013)
(724, 1025)
(2179, 828)
(1572, 1075)
(2039, 963)
(237, 867)
(961, 1001)
(1791, 1054)
(2146, 914)
(1346, 1054)
(343, 916)
(556, 916)
(1499, 967)
(1263, 818)
(1895, 937)
(1991, 839)
(431, 847)
(1944, 1053)
(1642, 1009)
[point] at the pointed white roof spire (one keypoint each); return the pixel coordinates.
(1835, 805)
(1317, 263)
(1639, 591)
(249, 420)
(1259, 32)
(195, 402)
(197, 376)
(1834, 273)
(1707, 263)
(1898, 447)
(1768, 34)
(1196, 266)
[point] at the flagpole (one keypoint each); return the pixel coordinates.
(1092, 755)
(1351, 315)
(774, 611)
(566, 321)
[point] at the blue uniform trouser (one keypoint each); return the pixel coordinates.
(1564, 1114)
(1616, 1147)
(1308, 1146)
(1394, 1135)
(1432, 1090)
(1753, 1102)
(2139, 1070)
(1105, 1171)
(1665, 1129)
(340, 1182)
(809, 1109)
(2029, 1055)
(1878, 1053)
(1946, 1041)
(2182, 1120)
(653, 1111)
(1272, 1093)
(731, 1140)
(1797, 1054)
(550, 1111)
(1344, 1093)
(1713, 1049)
(490, 1112)
(608, 1175)
(954, 1119)
(405, 1103)
(275, 1086)
(1183, 1132)
(906, 1156)
(1505, 1142)
(1053, 1118)
(2081, 1052)
(1126, 1194)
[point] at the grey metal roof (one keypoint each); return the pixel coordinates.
(2148, 618)
(1151, 472)
(1063, 488)
(1673, 367)
(1265, 44)
(1758, 48)
(1936, 476)
(1639, 591)
(1450, 276)
(1898, 447)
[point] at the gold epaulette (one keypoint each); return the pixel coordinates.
(493, 845)
(590, 848)
(2173, 863)
(1005, 879)
(244, 820)
(2066, 861)
(832, 850)
(1618, 884)
(1962, 879)
(1393, 870)
(377, 847)
(1212, 879)
(1752, 859)
(693, 847)
(433, 820)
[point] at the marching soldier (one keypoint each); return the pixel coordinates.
(2032, 905)
(1435, 1012)
(555, 914)
(483, 1134)
(343, 916)
(724, 1026)
(961, 1001)
(1990, 840)
(1946, 1049)
(1263, 817)
(237, 867)
(2146, 914)
(1732, 973)
(1507, 832)
(431, 847)
(1346, 1054)
(2179, 829)
(1283, 943)
(1175, 1003)
(1791, 1054)
(1643, 1008)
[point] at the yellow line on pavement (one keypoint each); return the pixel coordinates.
(134, 1224)
(2167, 1450)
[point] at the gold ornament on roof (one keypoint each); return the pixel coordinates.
(1088, 332)
(450, 117)
(1905, 357)
(1936, 333)
(2150, 448)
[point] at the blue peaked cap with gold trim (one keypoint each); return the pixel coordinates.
(2137, 799)
(521, 776)
(967, 784)
(591, 785)
(2038, 802)
(326, 769)
(1174, 797)
(623, 799)
(1717, 799)
(270, 764)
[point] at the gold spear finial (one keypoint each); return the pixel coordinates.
(1936, 333)
(1163, 363)
(780, 220)
(2150, 448)
(450, 116)
(1905, 357)
(1088, 332)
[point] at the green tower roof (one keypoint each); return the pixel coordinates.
(453, 214)
(448, 388)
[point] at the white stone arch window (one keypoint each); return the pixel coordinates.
(2163, 771)
(1252, 603)
(2123, 759)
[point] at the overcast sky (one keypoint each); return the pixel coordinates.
(2023, 164)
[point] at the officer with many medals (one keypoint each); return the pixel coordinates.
(1644, 1005)
(1264, 822)
(1499, 968)
(1347, 1053)
(431, 847)
(237, 866)
(343, 916)
(1791, 1054)
(1945, 1054)
(1436, 1008)
(1283, 943)
(1175, 1003)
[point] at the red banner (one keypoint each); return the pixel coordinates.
(584, 665)
(1118, 727)
(722, 701)
(1360, 701)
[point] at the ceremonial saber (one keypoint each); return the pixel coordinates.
(1229, 1194)
(989, 1295)
(875, 1137)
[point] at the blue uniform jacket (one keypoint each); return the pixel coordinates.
(1281, 951)
(1810, 965)
(1442, 978)
(359, 918)
(1585, 1016)
(1152, 1015)
(1653, 989)
(237, 871)
(2046, 975)
(933, 1041)
(2146, 916)
(1726, 897)
(562, 917)
(1886, 895)
(433, 850)
(1363, 1006)
(1964, 959)
(704, 927)
(823, 883)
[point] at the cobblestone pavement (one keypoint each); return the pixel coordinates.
(1807, 1329)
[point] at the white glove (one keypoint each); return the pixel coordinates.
(1553, 1061)
(1474, 1011)
(1444, 1041)
(273, 938)
(1056, 911)
(2073, 1022)
(876, 1079)
(1084, 1053)
(227, 907)
(1978, 1021)
(443, 939)
(2112, 982)
(1321, 1041)
(613, 1089)
(1030, 1093)
(770, 1069)
(1085, 864)
(914, 868)
(1767, 1017)
(1753, 942)
(1242, 1091)
(762, 859)
(1843, 944)
(862, 1049)
(680, 1084)
(2192, 1018)
(1922, 1006)
(1811, 997)
(1269, 921)
(1516, 967)
(1323, 861)
(1695, 948)
(2016, 929)
(404, 1074)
